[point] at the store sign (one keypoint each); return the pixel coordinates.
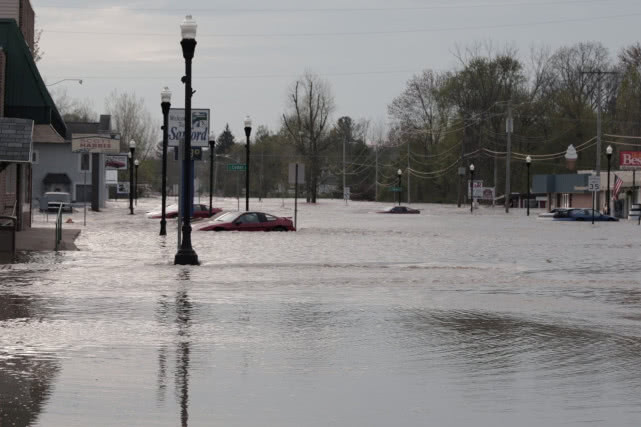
(630, 160)
(84, 143)
(116, 162)
(199, 127)
(111, 177)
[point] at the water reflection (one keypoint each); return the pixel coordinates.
(25, 379)
(179, 313)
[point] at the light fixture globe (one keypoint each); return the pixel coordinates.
(165, 95)
(136, 162)
(472, 167)
(188, 28)
(248, 122)
(528, 160)
(399, 172)
(132, 144)
(609, 150)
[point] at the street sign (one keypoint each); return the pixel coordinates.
(199, 127)
(236, 167)
(396, 189)
(594, 183)
(123, 188)
(346, 193)
(292, 173)
(196, 153)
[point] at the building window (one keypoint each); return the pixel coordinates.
(35, 157)
(84, 162)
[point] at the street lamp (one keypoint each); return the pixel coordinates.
(528, 162)
(608, 153)
(248, 131)
(400, 186)
(132, 154)
(136, 164)
(212, 146)
(186, 254)
(165, 104)
(472, 188)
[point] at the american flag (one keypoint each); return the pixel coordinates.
(618, 182)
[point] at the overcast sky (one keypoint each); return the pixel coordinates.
(249, 52)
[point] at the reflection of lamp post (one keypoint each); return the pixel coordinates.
(132, 153)
(608, 152)
(165, 104)
(528, 162)
(472, 188)
(136, 164)
(400, 186)
(186, 254)
(248, 131)
(212, 146)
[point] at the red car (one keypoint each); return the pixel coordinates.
(400, 210)
(200, 211)
(249, 221)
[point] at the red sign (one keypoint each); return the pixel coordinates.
(630, 159)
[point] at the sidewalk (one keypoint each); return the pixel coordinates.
(43, 239)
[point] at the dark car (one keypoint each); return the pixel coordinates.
(400, 210)
(200, 211)
(582, 215)
(249, 221)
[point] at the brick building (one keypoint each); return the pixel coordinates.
(26, 110)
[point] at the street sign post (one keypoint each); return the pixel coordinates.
(236, 167)
(594, 185)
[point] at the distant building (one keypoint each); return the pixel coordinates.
(57, 168)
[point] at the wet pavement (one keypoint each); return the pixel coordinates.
(442, 318)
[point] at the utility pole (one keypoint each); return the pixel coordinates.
(461, 168)
(509, 127)
(599, 74)
(262, 180)
(344, 184)
(409, 173)
(376, 175)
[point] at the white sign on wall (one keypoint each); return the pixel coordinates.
(111, 176)
(199, 127)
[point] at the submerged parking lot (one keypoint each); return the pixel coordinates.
(359, 318)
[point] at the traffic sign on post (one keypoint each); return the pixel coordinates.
(395, 189)
(594, 183)
(237, 167)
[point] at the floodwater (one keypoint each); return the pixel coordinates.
(358, 319)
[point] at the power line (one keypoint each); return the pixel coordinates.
(356, 33)
(328, 10)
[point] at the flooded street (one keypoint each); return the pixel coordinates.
(357, 319)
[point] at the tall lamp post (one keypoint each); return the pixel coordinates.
(186, 254)
(165, 104)
(528, 162)
(608, 153)
(132, 154)
(136, 164)
(212, 146)
(472, 188)
(400, 186)
(248, 131)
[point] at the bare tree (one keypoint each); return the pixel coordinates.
(309, 106)
(73, 110)
(130, 117)
(36, 50)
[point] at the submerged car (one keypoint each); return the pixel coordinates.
(200, 211)
(582, 215)
(249, 221)
(400, 210)
(52, 200)
(553, 212)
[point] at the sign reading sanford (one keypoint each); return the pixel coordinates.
(199, 127)
(630, 160)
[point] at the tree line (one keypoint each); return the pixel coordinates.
(440, 122)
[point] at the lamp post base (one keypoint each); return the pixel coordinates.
(163, 227)
(186, 257)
